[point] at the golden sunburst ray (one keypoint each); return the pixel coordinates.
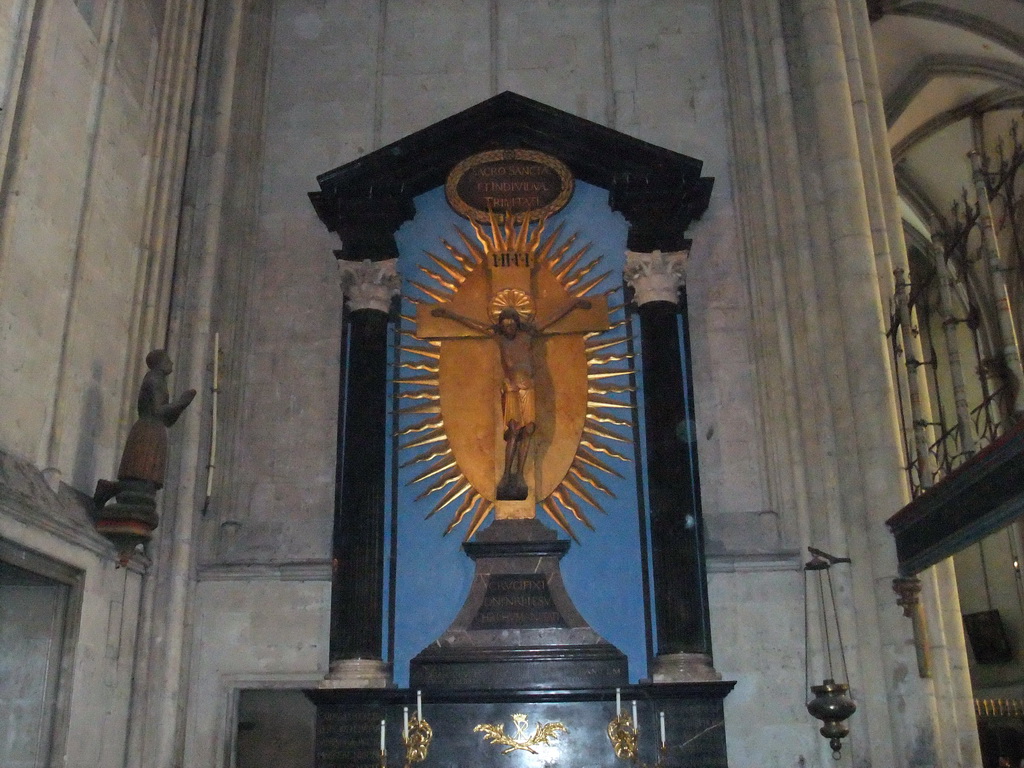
(587, 288)
(614, 326)
(422, 440)
(419, 381)
(467, 504)
(572, 484)
(591, 460)
(605, 359)
(413, 340)
(446, 479)
(462, 486)
(599, 345)
(552, 510)
(544, 252)
(454, 273)
(406, 318)
(522, 237)
(597, 430)
(440, 296)
(475, 254)
(570, 263)
(418, 409)
(563, 249)
(485, 241)
(562, 497)
(596, 375)
(430, 354)
(472, 499)
(445, 463)
(582, 272)
(607, 450)
(427, 454)
(418, 366)
(478, 518)
(495, 231)
(433, 423)
(440, 279)
(610, 389)
(601, 402)
(590, 480)
(431, 437)
(422, 394)
(465, 262)
(604, 418)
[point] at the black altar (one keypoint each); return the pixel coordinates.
(348, 725)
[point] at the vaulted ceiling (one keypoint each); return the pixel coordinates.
(952, 73)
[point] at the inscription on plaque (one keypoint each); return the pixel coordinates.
(517, 602)
(348, 740)
(517, 181)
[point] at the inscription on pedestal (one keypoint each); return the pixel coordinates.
(517, 602)
(348, 740)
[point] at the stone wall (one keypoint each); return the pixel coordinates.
(88, 707)
(96, 104)
(74, 190)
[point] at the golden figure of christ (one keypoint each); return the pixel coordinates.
(513, 383)
(515, 336)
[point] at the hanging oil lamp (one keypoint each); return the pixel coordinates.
(831, 703)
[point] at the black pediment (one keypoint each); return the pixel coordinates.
(659, 191)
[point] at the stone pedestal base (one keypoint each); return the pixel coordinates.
(130, 519)
(683, 668)
(358, 673)
(518, 627)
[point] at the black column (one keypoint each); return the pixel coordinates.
(680, 585)
(659, 207)
(358, 575)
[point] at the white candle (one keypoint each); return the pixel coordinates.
(635, 727)
(405, 722)
(419, 705)
(382, 737)
(618, 702)
(661, 717)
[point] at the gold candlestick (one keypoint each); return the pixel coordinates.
(417, 740)
(624, 736)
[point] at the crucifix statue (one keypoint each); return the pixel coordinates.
(514, 335)
(513, 373)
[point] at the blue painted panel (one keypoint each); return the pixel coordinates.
(603, 572)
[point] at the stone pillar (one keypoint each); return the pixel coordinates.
(680, 584)
(358, 562)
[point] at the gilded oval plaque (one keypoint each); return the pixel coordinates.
(522, 182)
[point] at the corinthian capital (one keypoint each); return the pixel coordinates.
(656, 276)
(369, 284)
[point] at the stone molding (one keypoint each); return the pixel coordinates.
(26, 497)
(306, 570)
(656, 276)
(755, 562)
(370, 284)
